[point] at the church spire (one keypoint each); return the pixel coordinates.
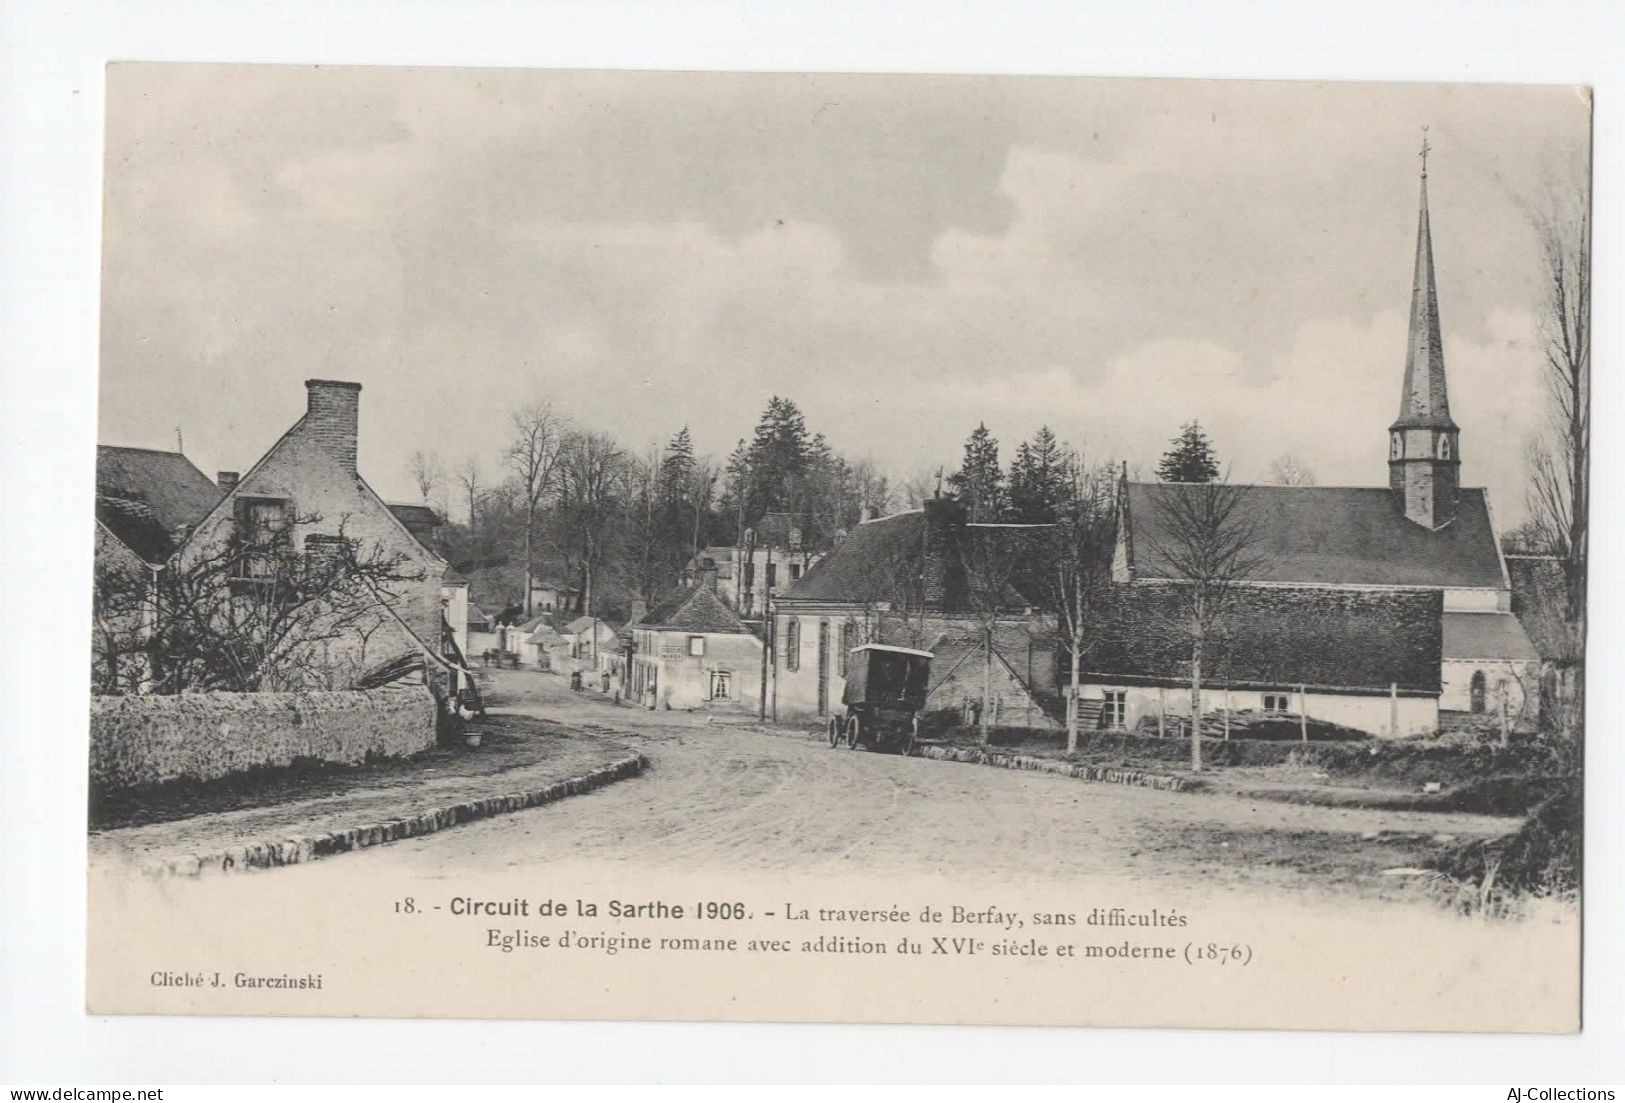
(1424, 461)
(1425, 401)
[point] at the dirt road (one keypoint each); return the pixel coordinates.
(721, 797)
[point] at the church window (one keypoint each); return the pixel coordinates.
(1475, 692)
(1444, 446)
(1394, 448)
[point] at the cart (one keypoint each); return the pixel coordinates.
(885, 691)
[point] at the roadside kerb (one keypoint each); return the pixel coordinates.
(308, 848)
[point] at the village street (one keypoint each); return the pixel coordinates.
(729, 797)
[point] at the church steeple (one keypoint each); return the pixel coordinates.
(1424, 462)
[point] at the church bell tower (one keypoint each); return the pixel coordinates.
(1424, 457)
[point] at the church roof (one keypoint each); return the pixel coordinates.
(1276, 637)
(1353, 536)
(1486, 636)
(1425, 402)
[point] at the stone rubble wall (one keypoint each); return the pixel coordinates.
(144, 740)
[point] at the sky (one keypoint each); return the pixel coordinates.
(905, 257)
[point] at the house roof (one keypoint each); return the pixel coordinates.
(420, 519)
(692, 609)
(1276, 636)
(911, 557)
(476, 615)
(1486, 636)
(136, 526)
(149, 491)
(1315, 535)
(544, 636)
(583, 626)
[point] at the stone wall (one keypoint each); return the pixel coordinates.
(136, 740)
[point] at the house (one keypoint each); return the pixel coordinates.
(771, 557)
(589, 637)
(552, 597)
(306, 494)
(147, 502)
(690, 651)
(1421, 534)
(903, 580)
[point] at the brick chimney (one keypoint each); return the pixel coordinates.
(331, 411)
(226, 480)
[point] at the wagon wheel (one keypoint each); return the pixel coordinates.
(911, 740)
(854, 731)
(834, 728)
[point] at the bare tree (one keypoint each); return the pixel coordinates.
(533, 457)
(256, 612)
(1289, 470)
(468, 476)
(427, 472)
(1074, 566)
(1559, 460)
(1208, 539)
(593, 479)
(992, 557)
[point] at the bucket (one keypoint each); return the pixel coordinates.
(472, 740)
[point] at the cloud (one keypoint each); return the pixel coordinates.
(903, 256)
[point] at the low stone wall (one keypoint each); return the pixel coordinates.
(137, 741)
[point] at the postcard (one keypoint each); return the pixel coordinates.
(857, 548)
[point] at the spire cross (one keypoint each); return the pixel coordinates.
(1424, 153)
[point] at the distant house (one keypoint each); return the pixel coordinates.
(903, 580)
(771, 557)
(306, 493)
(147, 503)
(553, 597)
(690, 651)
(589, 637)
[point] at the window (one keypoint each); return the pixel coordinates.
(262, 534)
(792, 644)
(696, 646)
(1114, 713)
(795, 571)
(1277, 702)
(722, 685)
(772, 575)
(1444, 446)
(1395, 449)
(1475, 692)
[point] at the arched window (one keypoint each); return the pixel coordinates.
(1444, 446)
(1475, 691)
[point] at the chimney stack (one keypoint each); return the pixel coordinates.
(226, 480)
(331, 412)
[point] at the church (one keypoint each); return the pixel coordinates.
(1387, 609)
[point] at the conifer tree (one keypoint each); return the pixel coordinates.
(1190, 457)
(979, 482)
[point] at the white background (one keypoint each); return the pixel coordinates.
(51, 58)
